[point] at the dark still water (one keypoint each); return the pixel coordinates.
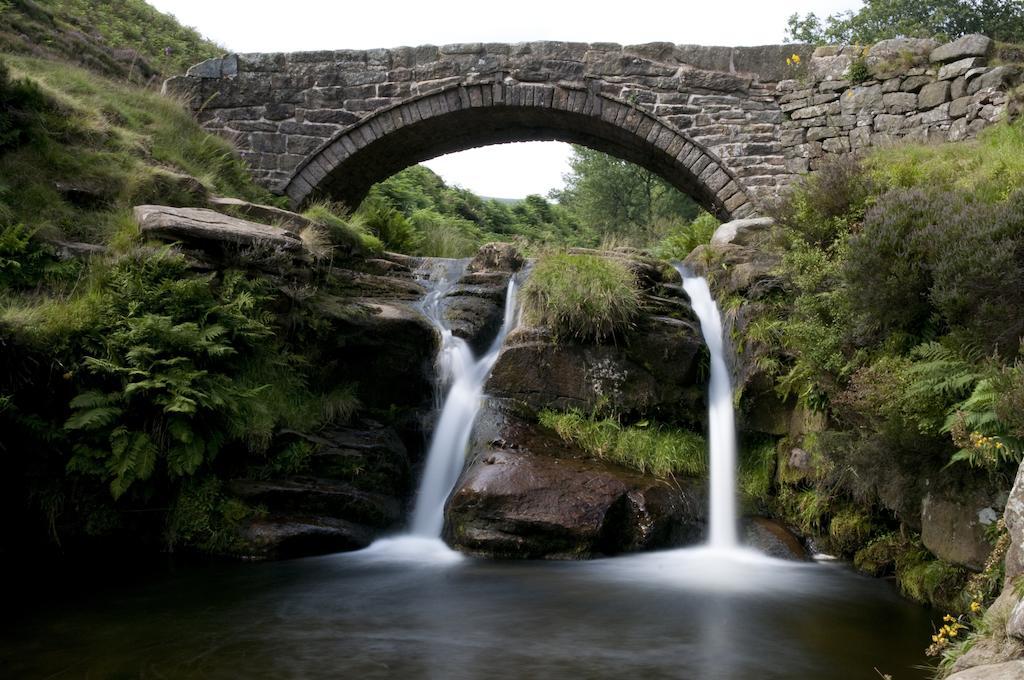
(408, 608)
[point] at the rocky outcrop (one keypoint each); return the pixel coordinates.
(475, 307)
(351, 489)
(1009, 670)
(257, 212)
(527, 494)
(654, 369)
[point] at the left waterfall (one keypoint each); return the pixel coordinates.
(460, 390)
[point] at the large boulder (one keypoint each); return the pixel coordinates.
(1013, 515)
(773, 539)
(528, 494)
(973, 45)
(953, 524)
(741, 232)
(257, 212)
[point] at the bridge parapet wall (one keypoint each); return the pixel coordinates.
(764, 114)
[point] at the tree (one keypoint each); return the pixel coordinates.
(882, 19)
(614, 196)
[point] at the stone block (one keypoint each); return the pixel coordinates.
(886, 122)
(958, 107)
(899, 102)
(836, 145)
(959, 68)
(915, 83)
(974, 45)
(934, 94)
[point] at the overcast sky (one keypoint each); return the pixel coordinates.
(509, 170)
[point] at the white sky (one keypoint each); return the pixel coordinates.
(509, 170)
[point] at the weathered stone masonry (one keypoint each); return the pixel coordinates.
(728, 125)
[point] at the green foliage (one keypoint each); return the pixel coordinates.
(112, 143)
(649, 448)
(757, 470)
(159, 388)
(858, 71)
(203, 517)
(453, 222)
(389, 226)
(23, 260)
(882, 19)
(849, 529)
(134, 24)
(616, 197)
(941, 262)
(581, 296)
(681, 240)
(22, 106)
(988, 169)
(344, 231)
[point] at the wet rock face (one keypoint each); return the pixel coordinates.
(527, 494)
(654, 371)
(773, 539)
(475, 307)
(352, 489)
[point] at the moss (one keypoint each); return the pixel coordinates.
(582, 297)
(848, 530)
(646, 447)
(879, 556)
(204, 518)
(757, 471)
(933, 582)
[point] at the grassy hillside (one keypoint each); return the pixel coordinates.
(121, 39)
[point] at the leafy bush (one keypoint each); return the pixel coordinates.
(159, 390)
(936, 262)
(681, 241)
(581, 296)
(389, 226)
(824, 205)
(343, 230)
(651, 449)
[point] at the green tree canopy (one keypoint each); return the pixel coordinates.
(882, 19)
(616, 197)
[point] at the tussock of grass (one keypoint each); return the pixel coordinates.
(342, 229)
(581, 296)
(682, 240)
(655, 450)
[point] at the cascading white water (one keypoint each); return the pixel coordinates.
(464, 376)
(721, 419)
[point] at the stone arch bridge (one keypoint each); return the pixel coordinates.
(728, 126)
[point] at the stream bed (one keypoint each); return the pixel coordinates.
(410, 608)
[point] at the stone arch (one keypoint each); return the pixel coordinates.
(466, 116)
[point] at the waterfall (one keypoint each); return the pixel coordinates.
(463, 375)
(721, 420)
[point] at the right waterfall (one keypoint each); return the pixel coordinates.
(721, 419)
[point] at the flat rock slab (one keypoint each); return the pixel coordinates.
(203, 226)
(266, 214)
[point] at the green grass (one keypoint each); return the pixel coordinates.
(121, 144)
(90, 32)
(650, 449)
(757, 470)
(989, 168)
(343, 230)
(581, 296)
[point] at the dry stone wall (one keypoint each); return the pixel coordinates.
(729, 125)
